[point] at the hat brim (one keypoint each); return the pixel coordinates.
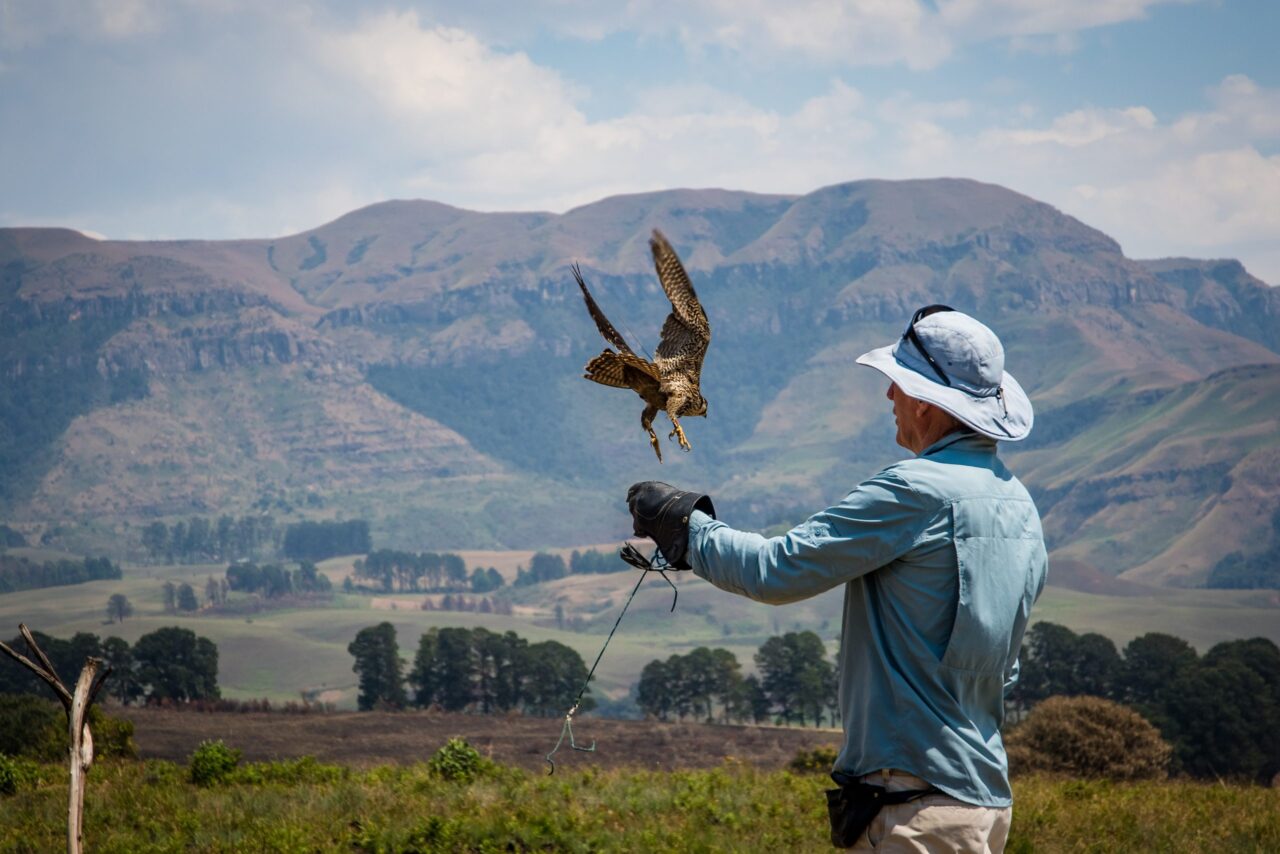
(987, 415)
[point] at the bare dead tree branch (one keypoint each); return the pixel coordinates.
(35, 649)
(46, 675)
(77, 704)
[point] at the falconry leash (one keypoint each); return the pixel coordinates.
(631, 555)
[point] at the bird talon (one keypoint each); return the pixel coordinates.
(678, 433)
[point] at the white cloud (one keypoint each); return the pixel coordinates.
(446, 84)
(26, 23)
(1198, 184)
(332, 114)
(1084, 127)
(920, 34)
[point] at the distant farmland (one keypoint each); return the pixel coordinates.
(280, 654)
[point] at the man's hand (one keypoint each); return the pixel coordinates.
(661, 512)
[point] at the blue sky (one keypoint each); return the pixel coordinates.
(1157, 121)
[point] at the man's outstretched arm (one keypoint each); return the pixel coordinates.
(876, 523)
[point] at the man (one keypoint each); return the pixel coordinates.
(942, 557)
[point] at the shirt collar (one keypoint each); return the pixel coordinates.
(972, 441)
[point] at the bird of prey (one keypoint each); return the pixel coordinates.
(670, 381)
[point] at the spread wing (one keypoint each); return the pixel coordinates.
(602, 323)
(623, 370)
(686, 332)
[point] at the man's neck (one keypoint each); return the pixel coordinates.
(936, 430)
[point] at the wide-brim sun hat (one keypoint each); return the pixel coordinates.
(953, 361)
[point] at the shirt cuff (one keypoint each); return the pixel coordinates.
(697, 522)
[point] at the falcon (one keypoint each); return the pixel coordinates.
(669, 382)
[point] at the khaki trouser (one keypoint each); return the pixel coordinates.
(934, 823)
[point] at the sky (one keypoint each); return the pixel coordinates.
(1156, 121)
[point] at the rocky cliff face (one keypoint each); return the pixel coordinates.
(420, 365)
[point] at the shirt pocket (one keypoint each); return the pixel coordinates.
(992, 580)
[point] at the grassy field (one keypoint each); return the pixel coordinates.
(280, 654)
(305, 807)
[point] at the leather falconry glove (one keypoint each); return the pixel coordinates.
(661, 512)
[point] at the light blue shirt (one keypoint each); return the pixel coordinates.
(942, 557)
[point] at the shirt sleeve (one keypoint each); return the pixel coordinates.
(876, 523)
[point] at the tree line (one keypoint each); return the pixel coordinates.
(169, 664)
(254, 537)
(1219, 711)
(20, 573)
(274, 581)
(461, 669)
(429, 572)
(478, 604)
(796, 684)
(200, 539)
(549, 567)
(321, 540)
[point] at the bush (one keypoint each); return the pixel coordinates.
(1088, 737)
(34, 727)
(460, 762)
(111, 736)
(213, 762)
(818, 760)
(10, 774)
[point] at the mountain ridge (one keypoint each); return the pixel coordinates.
(457, 337)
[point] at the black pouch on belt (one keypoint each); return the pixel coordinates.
(854, 805)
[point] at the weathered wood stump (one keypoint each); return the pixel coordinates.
(76, 704)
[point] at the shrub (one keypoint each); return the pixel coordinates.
(9, 775)
(460, 762)
(213, 762)
(1088, 737)
(34, 727)
(818, 760)
(111, 736)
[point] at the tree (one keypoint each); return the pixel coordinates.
(118, 607)
(455, 568)
(377, 663)
(542, 567)
(1058, 662)
(16, 679)
(155, 539)
(211, 590)
(795, 675)
(173, 663)
(1152, 664)
(485, 580)
(555, 673)
(653, 692)
(187, 600)
(123, 684)
(1224, 712)
(170, 597)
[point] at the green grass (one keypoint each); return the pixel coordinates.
(305, 807)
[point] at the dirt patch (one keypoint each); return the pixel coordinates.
(363, 739)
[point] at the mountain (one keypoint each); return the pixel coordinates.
(419, 365)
